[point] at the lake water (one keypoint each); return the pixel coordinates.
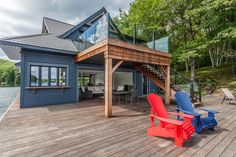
(7, 95)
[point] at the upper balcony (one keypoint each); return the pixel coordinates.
(103, 38)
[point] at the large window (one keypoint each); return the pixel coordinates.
(62, 76)
(54, 79)
(44, 76)
(34, 76)
(48, 76)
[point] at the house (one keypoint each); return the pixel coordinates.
(94, 52)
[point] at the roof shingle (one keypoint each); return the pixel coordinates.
(45, 40)
(56, 27)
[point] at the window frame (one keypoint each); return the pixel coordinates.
(48, 77)
(57, 79)
(66, 76)
(30, 76)
(49, 66)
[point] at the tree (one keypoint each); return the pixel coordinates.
(170, 17)
(218, 28)
(9, 74)
(197, 28)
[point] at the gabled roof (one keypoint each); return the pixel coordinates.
(55, 27)
(87, 21)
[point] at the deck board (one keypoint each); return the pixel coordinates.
(81, 130)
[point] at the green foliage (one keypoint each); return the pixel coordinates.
(197, 28)
(9, 74)
(2, 61)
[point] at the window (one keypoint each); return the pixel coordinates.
(34, 76)
(48, 76)
(54, 76)
(62, 76)
(44, 76)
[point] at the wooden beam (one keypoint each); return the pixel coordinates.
(117, 65)
(167, 86)
(108, 87)
(137, 56)
(82, 55)
(163, 70)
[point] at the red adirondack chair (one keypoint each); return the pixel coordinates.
(179, 130)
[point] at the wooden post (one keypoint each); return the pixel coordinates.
(167, 86)
(108, 87)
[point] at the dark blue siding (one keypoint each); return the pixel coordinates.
(153, 88)
(41, 97)
(139, 82)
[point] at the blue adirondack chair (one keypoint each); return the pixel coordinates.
(200, 123)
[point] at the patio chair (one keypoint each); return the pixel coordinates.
(132, 96)
(116, 97)
(181, 131)
(200, 123)
(227, 95)
(85, 94)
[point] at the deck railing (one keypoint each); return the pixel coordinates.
(193, 87)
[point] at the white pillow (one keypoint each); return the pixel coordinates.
(120, 88)
(82, 88)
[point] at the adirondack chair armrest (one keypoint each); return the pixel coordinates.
(175, 122)
(208, 110)
(187, 118)
(181, 114)
(191, 113)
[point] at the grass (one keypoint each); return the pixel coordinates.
(223, 76)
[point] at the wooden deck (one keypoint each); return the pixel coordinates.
(81, 130)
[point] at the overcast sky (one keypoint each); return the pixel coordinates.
(22, 17)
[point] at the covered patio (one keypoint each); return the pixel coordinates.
(114, 53)
(81, 130)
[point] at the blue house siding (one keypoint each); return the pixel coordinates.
(153, 88)
(139, 82)
(41, 97)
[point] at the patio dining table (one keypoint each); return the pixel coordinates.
(120, 94)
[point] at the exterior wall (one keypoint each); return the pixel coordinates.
(115, 76)
(139, 82)
(41, 97)
(123, 78)
(153, 88)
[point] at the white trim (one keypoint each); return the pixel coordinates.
(8, 108)
(46, 26)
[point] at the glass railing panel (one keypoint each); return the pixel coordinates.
(95, 33)
(160, 44)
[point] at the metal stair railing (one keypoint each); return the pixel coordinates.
(178, 82)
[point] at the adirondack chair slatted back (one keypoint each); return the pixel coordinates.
(227, 93)
(157, 105)
(184, 102)
(200, 123)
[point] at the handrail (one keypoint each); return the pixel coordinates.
(182, 76)
(186, 84)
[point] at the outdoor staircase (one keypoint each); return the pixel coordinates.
(158, 78)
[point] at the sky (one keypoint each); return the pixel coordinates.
(23, 17)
